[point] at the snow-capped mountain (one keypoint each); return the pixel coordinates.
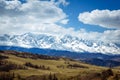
(64, 42)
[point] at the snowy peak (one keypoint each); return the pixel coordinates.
(64, 42)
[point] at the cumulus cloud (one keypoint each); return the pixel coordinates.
(42, 16)
(65, 21)
(31, 16)
(108, 36)
(103, 18)
(58, 2)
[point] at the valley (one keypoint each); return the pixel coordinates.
(27, 66)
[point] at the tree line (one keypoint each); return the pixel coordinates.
(43, 67)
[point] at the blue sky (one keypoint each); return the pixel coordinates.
(88, 19)
(78, 6)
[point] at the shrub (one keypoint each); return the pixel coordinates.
(6, 76)
(7, 66)
(37, 66)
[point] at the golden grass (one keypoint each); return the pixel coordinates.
(66, 72)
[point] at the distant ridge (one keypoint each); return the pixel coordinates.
(91, 58)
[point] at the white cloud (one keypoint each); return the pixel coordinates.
(103, 18)
(41, 17)
(111, 36)
(108, 36)
(65, 21)
(58, 2)
(30, 17)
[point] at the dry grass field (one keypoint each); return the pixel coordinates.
(62, 68)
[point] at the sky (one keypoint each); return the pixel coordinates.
(79, 6)
(89, 19)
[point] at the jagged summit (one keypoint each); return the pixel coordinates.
(64, 42)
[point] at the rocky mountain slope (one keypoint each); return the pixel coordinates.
(61, 42)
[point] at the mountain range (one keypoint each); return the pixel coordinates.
(59, 42)
(89, 51)
(90, 58)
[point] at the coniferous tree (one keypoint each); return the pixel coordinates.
(50, 77)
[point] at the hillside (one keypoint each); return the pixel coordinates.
(27, 66)
(90, 58)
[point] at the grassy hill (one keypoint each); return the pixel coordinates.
(26, 66)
